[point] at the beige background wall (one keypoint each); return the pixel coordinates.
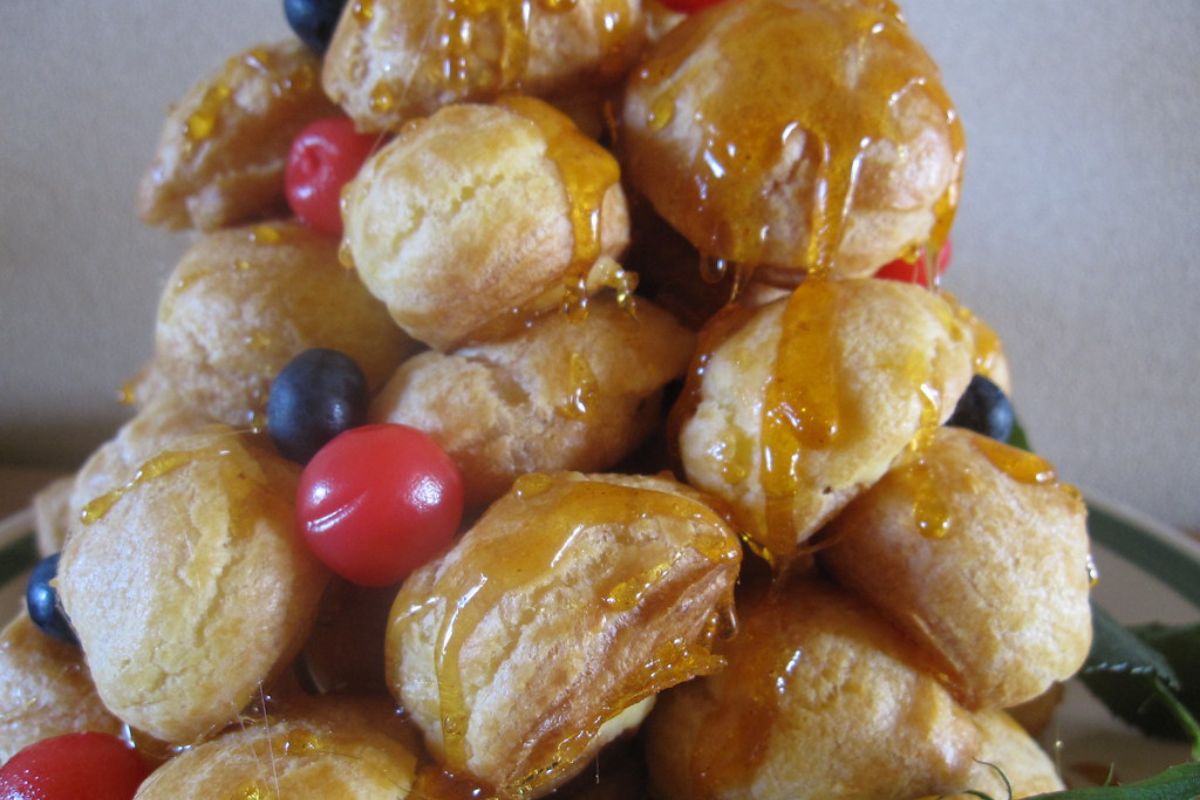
(1077, 238)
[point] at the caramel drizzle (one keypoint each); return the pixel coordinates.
(763, 669)
(471, 592)
(587, 172)
(583, 386)
(287, 79)
(456, 31)
(802, 410)
(162, 464)
(858, 61)
(483, 47)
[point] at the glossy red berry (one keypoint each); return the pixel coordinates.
(324, 157)
(915, 272)
(95, 766)
(379, 501)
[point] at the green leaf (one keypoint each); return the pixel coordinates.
(1180, 645)
(1018, 438)
(1136, 682)
(1176, 783)
(1117, 651)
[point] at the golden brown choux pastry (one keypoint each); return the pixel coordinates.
(1006, 747)
(810, 400)
(243, 302)
(974, 549)
(482, 216)
(821, 700)
(161, 423)
(189, 588)
(552, 623)
(52, 515)
(58, 507)
(990, 359)
(564, 394)
(327, 749)
(392, 60)
(224, 146)
(45, 689)
(836, 154)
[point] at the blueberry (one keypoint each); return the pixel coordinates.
(41, 598)
(985, 409)
(314, 21)
(319, 394)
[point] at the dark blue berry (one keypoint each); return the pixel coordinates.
(314, 21)
(984, 408)
(319, 394)
(41, 598)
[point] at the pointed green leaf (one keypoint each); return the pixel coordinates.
(1176, 783)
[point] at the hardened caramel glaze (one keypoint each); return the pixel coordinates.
(815, 395)
(223, 146)
(393, 60)
(477, 219)
(979, 553)
(766, 130)
(821, 698)
(553, 522)
(588, 173)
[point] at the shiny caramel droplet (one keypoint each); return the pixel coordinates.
(162, 464)
(383, 99)
(364, 10)
(266, 234)
(202, 123)
(1020, 465)
(582, 385)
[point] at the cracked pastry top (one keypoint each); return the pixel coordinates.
(478, 218)
(562, 394)
(393, 60)
(796, 135)
(536, 638)
(795, 407)
(244, 301)
(188, 588)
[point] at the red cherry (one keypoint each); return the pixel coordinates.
(688, 6)
(324, 157)
(914, 272)
(95, 766)
(377, 502)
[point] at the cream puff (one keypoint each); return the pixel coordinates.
(821, 699)
(796, 135)
(478, 218)
(796, 406)
(393, 60)
(566, 393)
(243, 302)
(188, 587)
(224, 146)
(550, 626)
(974, 549)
